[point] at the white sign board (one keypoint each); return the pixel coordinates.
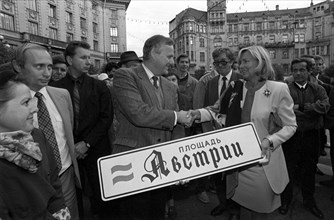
(188, 158)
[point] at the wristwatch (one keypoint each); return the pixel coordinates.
(87, 145)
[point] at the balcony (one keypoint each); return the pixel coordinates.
(279, 45)
(44, 41)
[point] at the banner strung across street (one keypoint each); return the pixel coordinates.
(188, 158)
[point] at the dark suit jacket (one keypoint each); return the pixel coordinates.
(141, 121)
(96, 114)
(211, 96)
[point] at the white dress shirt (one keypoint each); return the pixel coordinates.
(58, 127)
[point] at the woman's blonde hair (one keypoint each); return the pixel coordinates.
(264, 69)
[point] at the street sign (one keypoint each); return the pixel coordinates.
(165, 164)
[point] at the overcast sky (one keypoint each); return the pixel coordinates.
(148, 17)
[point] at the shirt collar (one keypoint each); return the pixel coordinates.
(228, 76)
(42, 91)
(301, 86)
(148, 72)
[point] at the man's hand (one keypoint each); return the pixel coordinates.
(308, 107)
(81, 150)
(183, 117)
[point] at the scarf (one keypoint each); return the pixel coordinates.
(18, 147)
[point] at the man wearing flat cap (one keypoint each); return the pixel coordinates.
(129, 59)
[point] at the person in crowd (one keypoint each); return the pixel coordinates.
(148, 108)
(256, 188)
(110, 69)
(310, 104)
(29, 185)
(93, 115)
(329, 124)
(223, 59)
(54, 118)
(235, 66)
(104, 77)
(129, 59)
(59, 67)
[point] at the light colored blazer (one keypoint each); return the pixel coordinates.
(278, 101)
(141, 121)
(62, 100)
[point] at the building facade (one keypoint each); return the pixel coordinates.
(53, 23)
(286, 34)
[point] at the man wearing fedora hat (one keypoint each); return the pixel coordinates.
(129, 59)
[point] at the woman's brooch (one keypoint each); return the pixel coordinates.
(267, 92)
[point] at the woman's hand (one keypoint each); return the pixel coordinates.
(266, 151)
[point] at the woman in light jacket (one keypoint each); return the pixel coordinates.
(257, 187)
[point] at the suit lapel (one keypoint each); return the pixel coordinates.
(147, 85)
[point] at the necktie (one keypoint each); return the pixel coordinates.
(45, 124)
(224, 85)
(76, 104)
(155, 81)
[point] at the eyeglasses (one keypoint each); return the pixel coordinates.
(303, 70)
(221, 63)
(319, 64)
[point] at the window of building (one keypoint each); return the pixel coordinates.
(246, 27)
(271, 25)
(285, 38)
(95, 45)
(32, 28)
(230, 41)
(98, 64)
(202, 57)
(230, 28)
(95, 28)
(271, 38)
(296, 38)
(52, 11)
(114, 48)
(6, 21)
(83, 24)
(317, 35)
(301, 23)
(302, 51)
(301, 38)
(322, 50)
(201, 28)
(192, 55)
(32, 5)
(259, 39)
(272, 54)
(235, 40)
(69, 37)
(217, 42)
(285, 54)
(201, 42)
(53, 33)
(246, 40)
(204, 28)
(285, 25)
(113, 32)
(317, 21)
(235, 27)
(69, 17)
(297, 52)
(258, 26)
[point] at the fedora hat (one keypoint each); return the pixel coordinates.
(128, 56)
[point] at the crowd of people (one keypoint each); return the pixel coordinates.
(56, 121)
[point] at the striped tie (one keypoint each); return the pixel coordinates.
(45, 124)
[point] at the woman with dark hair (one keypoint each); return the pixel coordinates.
(29, 183)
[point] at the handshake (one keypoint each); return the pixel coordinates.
(188, 117)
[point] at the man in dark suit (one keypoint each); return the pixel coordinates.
(28, 57)
(148, 112)
(93, 115)
(223, 59)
